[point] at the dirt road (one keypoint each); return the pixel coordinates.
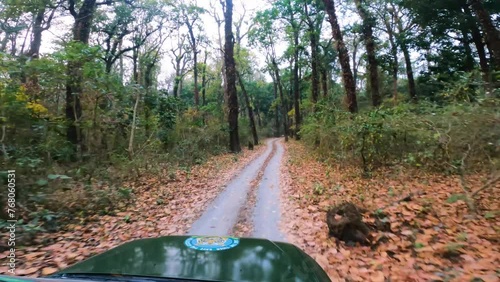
(253, 193)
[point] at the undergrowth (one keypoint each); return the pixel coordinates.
(425, 135)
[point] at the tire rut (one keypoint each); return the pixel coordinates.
(244, 226)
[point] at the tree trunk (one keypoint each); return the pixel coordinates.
(251, 117)
(406, 53)
(135, 66)
(477, 38)
(478, 42)
(121, 65)
(36, 34)
(324, 81)
(354, 62)
(368, 23)
(74, 88)
(132, 127)
(284, 108)
(195, 75)
(204, 81)
(230, 72)
(177, 79)
(148, 83)
(314, 69)
(409, 73)
(469, 58)
(347, 77)
(491, 32)
(195, 62)
(296, 85)
(109, 65)
(314, 41)
(257, 113)
(32, 85)
(395, 61)
(276, 111)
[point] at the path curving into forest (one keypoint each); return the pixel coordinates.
(252, 199)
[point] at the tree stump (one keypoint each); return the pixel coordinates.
(345, 223)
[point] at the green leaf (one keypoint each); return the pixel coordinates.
(42, 182)
(418, 245)
(455, 198)
(490, 215)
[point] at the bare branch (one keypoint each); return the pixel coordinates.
(71, 8)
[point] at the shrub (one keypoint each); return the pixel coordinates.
(423, 135)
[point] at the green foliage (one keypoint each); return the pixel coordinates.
(191, 142)
(166, 110)
(425, 136)
(455, 198)
(418, 245)
(491, 215)
(318, 189)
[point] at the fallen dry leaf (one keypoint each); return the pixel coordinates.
(48, 271)
(427, 235)
(147, 217)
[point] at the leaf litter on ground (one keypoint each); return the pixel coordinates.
(429, 237)
(164, 205)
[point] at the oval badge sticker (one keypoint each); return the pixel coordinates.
(211, 243)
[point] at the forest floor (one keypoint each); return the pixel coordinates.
(432, 237)
(164, 204)
(429, 237)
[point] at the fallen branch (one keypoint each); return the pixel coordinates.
(468, 199)
(487, 185)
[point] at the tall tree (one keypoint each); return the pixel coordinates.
(124, 21)
(389, 28)
(314, 19)
(204, 79)
(368, 22)
(43, 13)
(190, 15)
(230, 72)
(348, 80)
(12, 24)
(326, 57)
(448, 30)
(291, 14)
(279, 85)
(276, 107)
(180, 58)
(402, 40)
(83, 15)
(220, 44)
(264, 35)
(250, 110)
(477, 38)
(491, 32)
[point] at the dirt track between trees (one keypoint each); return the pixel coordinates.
(250, 203)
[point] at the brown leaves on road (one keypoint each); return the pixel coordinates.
(163, 206)
(431, 237)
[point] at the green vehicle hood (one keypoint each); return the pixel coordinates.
(171, 257)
